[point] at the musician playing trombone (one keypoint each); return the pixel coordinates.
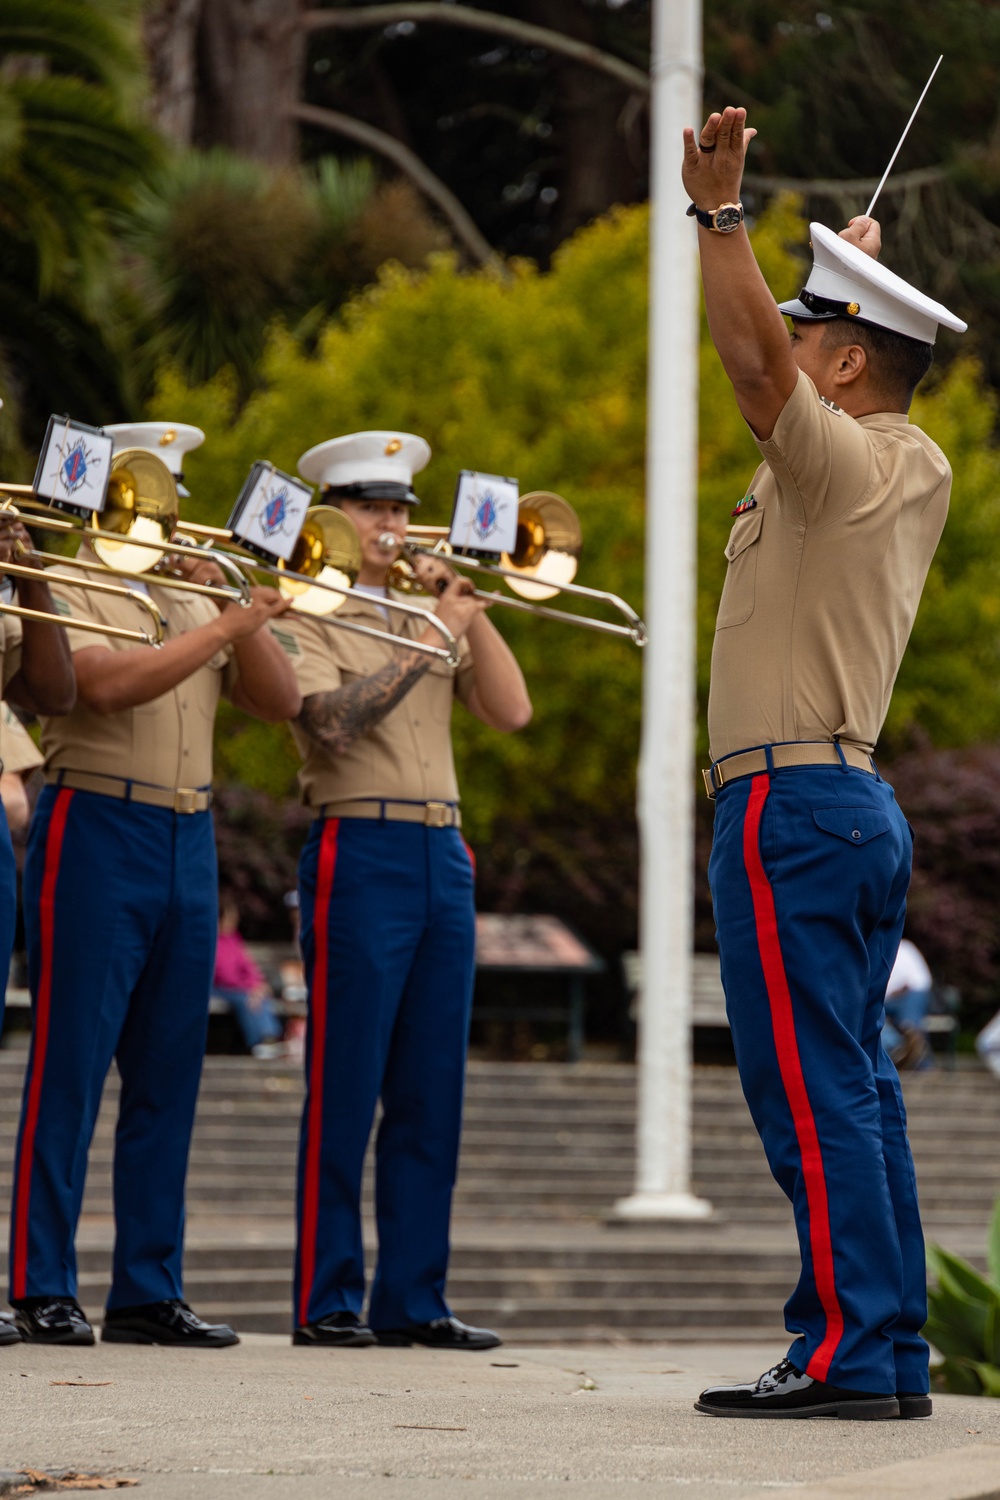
(388, 919)
(36, 671)
(121, 900)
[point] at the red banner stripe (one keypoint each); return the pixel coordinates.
(317, 1012)
(790, 1065)
(40, 1042)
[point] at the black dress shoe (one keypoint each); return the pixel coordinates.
(52, 1320)
(339, 1330)
(786, 1392)
(170, 1322)
(914, 1404)
(8, 1329)
(443, 1333)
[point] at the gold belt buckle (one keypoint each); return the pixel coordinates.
(437, 815)
(185, 800)
(709, 783)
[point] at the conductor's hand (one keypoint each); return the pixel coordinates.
(265, 605)
(713, 159)
(865, 233)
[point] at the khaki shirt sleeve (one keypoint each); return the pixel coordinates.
(18, 751)
(312, 649)
(465, 673)
(77, 604)
(822, 460)
(12, 637)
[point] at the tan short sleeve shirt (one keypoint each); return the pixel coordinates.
(826, 566)
(18, 751)
(10, 648)
(165, 743)
(407, 755)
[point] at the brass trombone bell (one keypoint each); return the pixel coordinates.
(328, 552)
(547, 548)
(141, 506)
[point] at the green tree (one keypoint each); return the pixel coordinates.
(543, 376)
(72, 151)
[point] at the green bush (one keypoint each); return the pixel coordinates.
(964, 1320)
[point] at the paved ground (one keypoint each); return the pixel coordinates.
(269, 1422)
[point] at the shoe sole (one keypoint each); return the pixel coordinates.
(915, 1406)
(82, 1339)
(847, 1411)
(404, 1341)
(126, 1336)
(9, 1336)
(350, 1341)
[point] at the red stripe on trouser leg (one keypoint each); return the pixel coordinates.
(43, 1008)
(327, 864)
(790, 1067)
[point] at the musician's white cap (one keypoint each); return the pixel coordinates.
(376, 465)
(168, 440)
(846, 283)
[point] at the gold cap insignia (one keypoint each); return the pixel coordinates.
(854, 308)
(393, 446)
(167, 438)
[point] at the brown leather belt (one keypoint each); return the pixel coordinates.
(387, 810)
(182, 800)
(803, 753)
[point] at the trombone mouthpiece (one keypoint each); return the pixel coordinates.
(388, 542)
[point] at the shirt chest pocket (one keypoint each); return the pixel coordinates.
(738, 593)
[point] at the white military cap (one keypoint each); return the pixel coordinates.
(846, 283)
(168, 440)
(379, 465)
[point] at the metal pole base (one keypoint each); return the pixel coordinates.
(650, 1206)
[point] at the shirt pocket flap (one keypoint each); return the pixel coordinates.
(746, 530)
(855, 824)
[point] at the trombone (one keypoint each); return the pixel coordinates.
(542, 564)
(17, 570)
(133, 535)
(321, 572)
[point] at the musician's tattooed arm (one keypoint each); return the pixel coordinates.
(335, 720)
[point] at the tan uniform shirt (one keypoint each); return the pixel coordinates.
(825, 575)
(167, 742)
(10, 648)
(18, 751)
(407, 755)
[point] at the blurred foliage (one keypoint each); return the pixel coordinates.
(225, 245)
(72, 152)
(964, 1320)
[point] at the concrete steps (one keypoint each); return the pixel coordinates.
(547, 1150)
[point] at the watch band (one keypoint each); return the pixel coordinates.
(723, 220)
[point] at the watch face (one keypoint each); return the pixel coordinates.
(728, 218)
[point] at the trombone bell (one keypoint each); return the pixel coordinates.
(547, 548)
(141, 504)
(328, 550)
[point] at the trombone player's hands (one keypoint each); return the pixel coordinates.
(458, 607)
(15, 543)
(240, 620)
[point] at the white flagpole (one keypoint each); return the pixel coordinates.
(666, 767)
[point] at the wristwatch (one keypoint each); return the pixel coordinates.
(724, 219)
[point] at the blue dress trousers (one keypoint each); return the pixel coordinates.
(120, 914)
(388, 939)
(809, 873)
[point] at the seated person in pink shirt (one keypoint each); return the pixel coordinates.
(239, 982)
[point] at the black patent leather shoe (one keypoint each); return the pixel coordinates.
(339, 1330)
(52, 1320)
(170, 1322)
(8, 1329)
(914, 1404)
(443, 1333)
(786, 1392)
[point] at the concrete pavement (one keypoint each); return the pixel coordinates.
(265, 1421)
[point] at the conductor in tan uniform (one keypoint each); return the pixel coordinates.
(388, 920)
(829, 550)
(121, 902)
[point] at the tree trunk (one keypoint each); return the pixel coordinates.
(169, 34)
(596, 170)
(250, 55)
